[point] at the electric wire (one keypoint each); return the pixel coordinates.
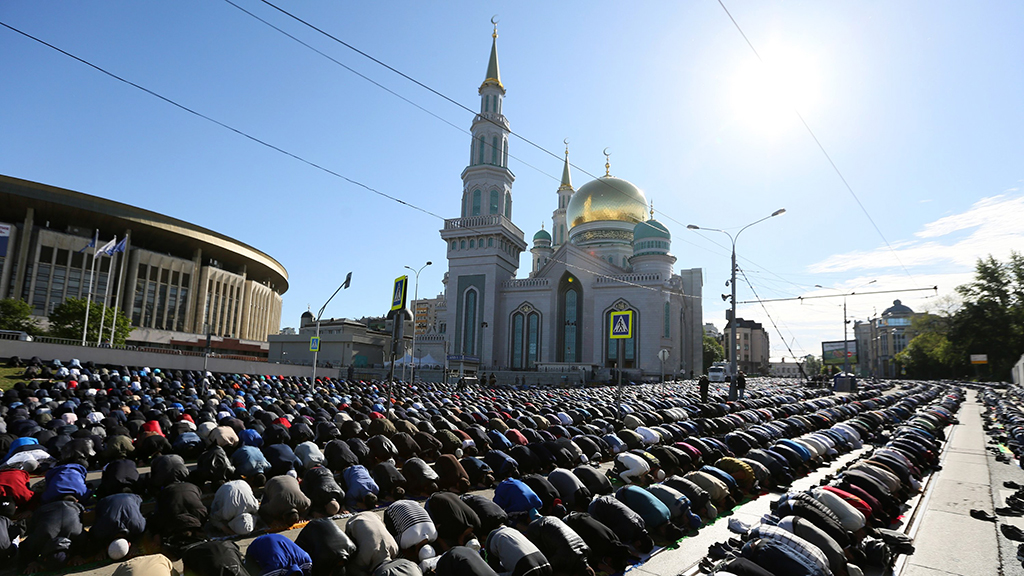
(450, 100)
(772, 320)
(291, 154)
(381, 86)
(821, 147)
(222, 124)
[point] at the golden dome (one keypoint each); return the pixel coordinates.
(604, 199)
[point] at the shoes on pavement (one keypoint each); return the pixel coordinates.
(1011, 484)
(1012, 532)
(982, 515)
(1020, 553)
(1008, 511)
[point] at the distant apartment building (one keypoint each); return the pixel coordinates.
(752, 345)
(426, 314)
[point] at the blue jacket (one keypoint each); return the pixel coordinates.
(65, 480)
(515, 496)
(358, 483)
(276, 555)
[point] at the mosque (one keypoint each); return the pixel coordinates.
(602, 254)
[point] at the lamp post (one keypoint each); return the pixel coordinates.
(415, 297)
(732, 336)
(846, 342)
(316, 353)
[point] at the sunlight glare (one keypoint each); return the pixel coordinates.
(765, 95)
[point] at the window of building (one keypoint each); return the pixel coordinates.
(667, 333)
(469, 323)
(508, 205)
(532, 340)
(472, 243)
(572, 317)
(62, 258)
(494, 150)
(454, 245)
(495, 198)
(518, 322)
(462, 244)
(77, 259)
(476, 203)
(480, 154)
(490, 242)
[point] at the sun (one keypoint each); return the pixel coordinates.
(765, 94)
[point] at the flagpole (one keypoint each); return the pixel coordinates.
(106, 295)
(88, 298)
(117, 297)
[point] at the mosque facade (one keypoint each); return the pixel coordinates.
(603, 254)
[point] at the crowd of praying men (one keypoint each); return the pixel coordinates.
(580, 486)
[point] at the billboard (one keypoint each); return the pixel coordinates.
(832, 352)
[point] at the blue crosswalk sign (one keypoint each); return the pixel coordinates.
(621, 325)
(398, 295)
(314, 344)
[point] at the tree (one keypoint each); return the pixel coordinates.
(713, 352)
(812, 365)
(991, 320)
(17, 315)
(66, 321)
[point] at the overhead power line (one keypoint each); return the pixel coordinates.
(823, 150)
(801, 298)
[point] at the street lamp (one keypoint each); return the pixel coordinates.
(732, 351)
(415, 297)
(316, 353)
(846, 342)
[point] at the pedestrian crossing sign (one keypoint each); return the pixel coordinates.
(621, 325)
(314, 344)
(398, 294)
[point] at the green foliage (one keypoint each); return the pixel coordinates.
(17, 315)
(812, 365)
(66, 321)
(713, 352)
(987, 317)
(991, 320)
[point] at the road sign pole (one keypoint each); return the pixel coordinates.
(316, 353)
(620, 350)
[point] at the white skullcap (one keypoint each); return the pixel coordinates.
(118, 549)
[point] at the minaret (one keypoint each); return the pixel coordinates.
(559, 233)
(487, 181)
(483, 244)
(542, 250)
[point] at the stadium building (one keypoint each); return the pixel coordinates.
(174, 280)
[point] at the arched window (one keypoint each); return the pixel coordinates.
(668, 322)
(454, 245)
(469, 323)
(490, 242)
(480, 155)
(532, 340)
(462, 245)
(472, 243)
(495, 200)
(476, 203)
(517, 340)
(504, 152)
(508, 205)
(494, 150)
(569, 322)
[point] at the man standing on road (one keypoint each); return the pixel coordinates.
(703, 384)
(741, 384)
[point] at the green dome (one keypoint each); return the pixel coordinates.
(542, 234)
(650, 229)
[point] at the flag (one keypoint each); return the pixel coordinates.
(108, 247)
(119, 247)
(92, 242)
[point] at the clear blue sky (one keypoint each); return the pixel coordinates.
(918, 103)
